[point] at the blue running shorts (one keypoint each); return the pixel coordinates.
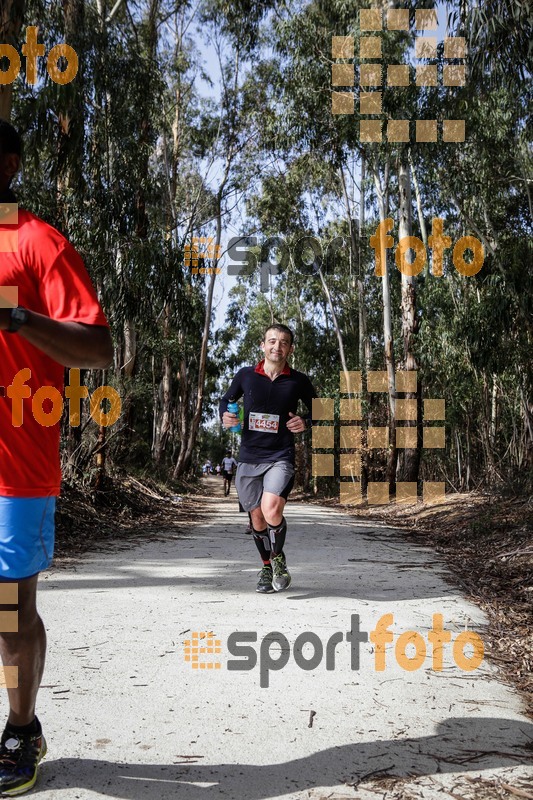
(26, 536)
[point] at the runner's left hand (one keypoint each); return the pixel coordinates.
(295, 424)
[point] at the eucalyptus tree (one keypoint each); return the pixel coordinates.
(11, 19)
(227, 143)
(306, 129)
(482, 188)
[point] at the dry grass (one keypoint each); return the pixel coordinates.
(126, 509)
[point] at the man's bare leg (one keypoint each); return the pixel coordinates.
(22, 745)
(260, 534)
(258, 520)
(262, 542)
(271, 508)
(269, 536)
(26, 650)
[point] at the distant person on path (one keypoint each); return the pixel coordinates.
(228, 466)
(58, 324)
(265, 474)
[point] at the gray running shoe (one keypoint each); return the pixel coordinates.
(282, 576)
(265, 580)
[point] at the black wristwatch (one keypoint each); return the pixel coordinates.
(19, 317)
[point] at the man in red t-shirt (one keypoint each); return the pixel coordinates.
(57, 323)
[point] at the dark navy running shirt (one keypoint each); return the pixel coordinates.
(264, 396)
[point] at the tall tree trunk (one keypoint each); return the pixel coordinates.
(485, 428)
(364, 343)
(420, 210)
(410, 457)
(11, 17)
(365, 346)
(101, 454)
(493, 413)
(526, 409)
(338, 332)
(183, 398)
(163, 400)
(187, 446)
(127, 367)
(149, 49)
(71, 116)
(382, 193)
(70, 159)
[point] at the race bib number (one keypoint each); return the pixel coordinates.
(265, 423)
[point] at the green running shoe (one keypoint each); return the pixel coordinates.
(265, 580)
(282, 576)
(20, 755)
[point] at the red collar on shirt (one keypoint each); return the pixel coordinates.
(261, 369)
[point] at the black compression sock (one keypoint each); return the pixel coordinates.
(277, 536)
(31, 727)
(263, 544)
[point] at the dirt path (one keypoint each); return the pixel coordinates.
(126, 716)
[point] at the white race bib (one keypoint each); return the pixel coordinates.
(264, 423)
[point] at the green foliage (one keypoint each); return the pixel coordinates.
(149, 144)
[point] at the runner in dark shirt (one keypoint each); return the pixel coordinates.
(265, 475)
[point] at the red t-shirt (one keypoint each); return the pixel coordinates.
(51, 280)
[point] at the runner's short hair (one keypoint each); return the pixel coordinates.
(277, 326)
(10, 141)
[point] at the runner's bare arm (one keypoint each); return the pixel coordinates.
(72, 344)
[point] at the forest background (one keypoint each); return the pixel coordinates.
(214, 119)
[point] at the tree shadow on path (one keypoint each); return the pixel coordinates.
(459, 745)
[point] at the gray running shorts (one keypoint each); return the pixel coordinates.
(276, 477)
